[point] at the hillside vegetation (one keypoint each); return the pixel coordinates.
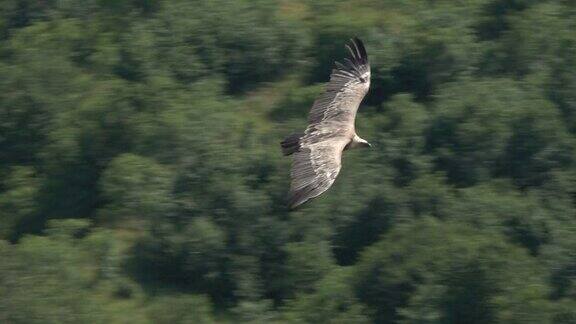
(141, 177)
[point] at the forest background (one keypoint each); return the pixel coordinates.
(141, 178)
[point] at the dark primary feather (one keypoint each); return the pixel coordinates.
(358, 52)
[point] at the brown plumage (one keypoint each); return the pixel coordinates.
(317, 152)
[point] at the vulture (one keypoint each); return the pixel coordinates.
(317, 152)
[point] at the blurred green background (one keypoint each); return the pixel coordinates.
(141, 179)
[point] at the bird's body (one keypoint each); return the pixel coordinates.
(318, 150)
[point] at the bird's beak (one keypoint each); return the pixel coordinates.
(369, 145)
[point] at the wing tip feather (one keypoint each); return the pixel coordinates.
(358, 60)
(361, 50)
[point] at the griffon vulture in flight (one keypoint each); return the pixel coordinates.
(318, 150)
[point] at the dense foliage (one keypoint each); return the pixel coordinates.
(141, 179)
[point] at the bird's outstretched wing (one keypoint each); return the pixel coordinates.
(349, 83)
(314, 169)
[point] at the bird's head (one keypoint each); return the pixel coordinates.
(358, 142)
(364, 143)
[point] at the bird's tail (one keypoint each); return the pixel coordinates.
(291, 143)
